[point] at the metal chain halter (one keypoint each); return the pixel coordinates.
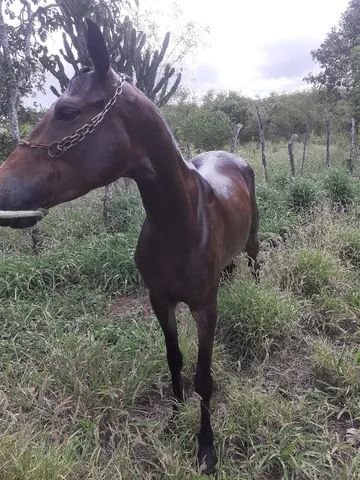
(56, 149)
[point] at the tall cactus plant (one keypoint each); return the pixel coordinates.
(127, 47)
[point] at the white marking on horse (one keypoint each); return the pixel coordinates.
(211, 170)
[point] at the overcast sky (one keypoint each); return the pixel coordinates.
(253, 46)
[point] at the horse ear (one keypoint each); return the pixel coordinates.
(97, 48)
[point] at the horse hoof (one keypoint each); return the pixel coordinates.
(207, 459)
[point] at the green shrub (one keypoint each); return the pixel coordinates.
(275, 219)
(338, 187)
(311, 272)
(254, 319)
(270, 199)
(207, 129)
(301, 194)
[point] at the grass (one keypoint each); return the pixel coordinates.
(254, 320)
(84, 386)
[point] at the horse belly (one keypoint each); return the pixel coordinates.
(236, 229)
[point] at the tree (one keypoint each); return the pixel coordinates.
(238, 108)
(339, 61)
(20, 74)
(128, 49)
(206, 129)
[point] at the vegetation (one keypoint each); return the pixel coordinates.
(85, 389)
(84, 384)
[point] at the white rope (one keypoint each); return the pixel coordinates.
(10, 214)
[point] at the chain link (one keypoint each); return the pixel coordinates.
(56, 149)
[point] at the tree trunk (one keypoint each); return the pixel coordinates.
(353, 147)
(306, 138)
(36, 240)
(234, 139)
(291, 153)
(262, 144)
(327, 155)
(13, 115)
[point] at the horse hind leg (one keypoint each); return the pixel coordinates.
(253, 246)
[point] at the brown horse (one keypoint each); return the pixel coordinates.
(199, 214)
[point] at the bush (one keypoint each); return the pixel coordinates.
(206, 129)
(275, 219)
(302, 194)
(338, 187)
(270, 199)
(254, 319)
(311, 272)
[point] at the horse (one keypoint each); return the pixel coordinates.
(200, 214)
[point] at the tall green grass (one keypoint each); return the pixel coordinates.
(84, 385)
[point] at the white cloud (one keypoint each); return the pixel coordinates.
(242, 34)
(255, 47)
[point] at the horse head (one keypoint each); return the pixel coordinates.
(84, 141)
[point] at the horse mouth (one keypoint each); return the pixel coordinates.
(19, 223)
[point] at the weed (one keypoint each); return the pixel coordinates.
(338, 187)
(302, 194)
(254, 320)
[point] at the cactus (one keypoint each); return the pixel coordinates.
(127, 49)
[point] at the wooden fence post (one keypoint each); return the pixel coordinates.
(291, 153)
(106, 202)
(235, 137)
(262, 143)
(36, 241)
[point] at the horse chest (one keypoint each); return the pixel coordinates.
(178, 276)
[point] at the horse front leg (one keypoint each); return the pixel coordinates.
(206, 318)
(166, 315)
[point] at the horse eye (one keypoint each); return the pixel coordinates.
(66, 114)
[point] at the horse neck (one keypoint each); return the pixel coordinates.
(169, 195)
